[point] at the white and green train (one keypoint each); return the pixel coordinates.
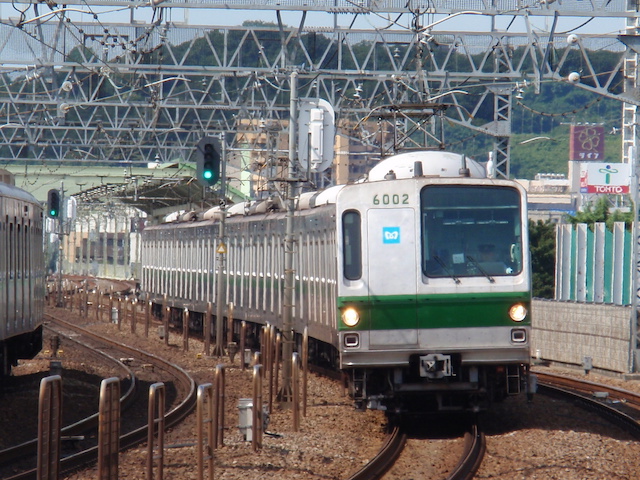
(416, 282)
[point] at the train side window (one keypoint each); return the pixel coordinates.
(352, 245)
(20, 245)
(11, 253)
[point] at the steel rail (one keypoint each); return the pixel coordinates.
(30, 447)
(631, 398)
(475, 446)
(139, 435)
(624, 421)
(466, 468)
(384, 459)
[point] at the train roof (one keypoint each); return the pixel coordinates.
(434, 164)
(12, 191)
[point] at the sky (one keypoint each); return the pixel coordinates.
(471, 23)
(220, 17)
(475, 23)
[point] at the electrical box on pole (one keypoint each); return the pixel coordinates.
(208, 161)
(316, 134)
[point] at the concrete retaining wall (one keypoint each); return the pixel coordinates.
(567, 332)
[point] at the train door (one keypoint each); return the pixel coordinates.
(4, 281)
(392, 276)
(20, 246)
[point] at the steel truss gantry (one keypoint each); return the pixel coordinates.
(137, 92)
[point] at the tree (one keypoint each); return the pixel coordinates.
(600, 213)
(542, 243)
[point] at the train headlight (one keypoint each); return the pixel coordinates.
(518, 312)
(350, 317)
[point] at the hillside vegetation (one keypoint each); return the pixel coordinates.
(550, 115)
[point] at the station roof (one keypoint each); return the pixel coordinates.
(153, 195)
(156, 189)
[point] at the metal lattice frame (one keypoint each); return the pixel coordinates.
(128, 94)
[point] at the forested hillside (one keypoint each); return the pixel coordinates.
(546, 114)
(550, 115)
(547, 118)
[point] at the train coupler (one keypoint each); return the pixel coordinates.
(435, 365)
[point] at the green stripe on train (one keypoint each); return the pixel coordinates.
(435, 311)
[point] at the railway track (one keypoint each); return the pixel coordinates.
(184, 404)
(475, 446)
(391, 449)
(588, 388)
(471, 458)
(26, 449)
(588, 391)
(619, 406)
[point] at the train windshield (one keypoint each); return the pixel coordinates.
(470, 231)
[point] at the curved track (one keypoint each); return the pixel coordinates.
(392, 448)
(28, 448)
(475, 447)
(383, 460)
(620, 407)
(589, 388)
(182, 409)
(587, 395)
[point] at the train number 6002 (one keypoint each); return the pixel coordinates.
(394, 199)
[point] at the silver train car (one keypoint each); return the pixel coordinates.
(180, 261)
(22, 277)
(415, 282)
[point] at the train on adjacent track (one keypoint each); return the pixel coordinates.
(22, 277)
(416, 282)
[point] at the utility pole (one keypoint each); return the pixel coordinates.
(221, 251)
(56, 211)
(285, 395)
(635, 283)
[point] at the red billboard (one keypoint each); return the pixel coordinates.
(586, 143)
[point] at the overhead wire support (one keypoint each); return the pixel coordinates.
(285, 395)
(221, 251)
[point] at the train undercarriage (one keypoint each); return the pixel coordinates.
(471, 388)
(430, 383)
(20, 347)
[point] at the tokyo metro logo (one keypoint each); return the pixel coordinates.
(390, 234)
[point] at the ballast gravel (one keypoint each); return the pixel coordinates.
(543, 439)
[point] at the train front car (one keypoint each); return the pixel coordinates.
(433, 285)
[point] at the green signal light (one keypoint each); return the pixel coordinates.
(53, 203)
(208, 161)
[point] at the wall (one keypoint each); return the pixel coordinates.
(567, 332)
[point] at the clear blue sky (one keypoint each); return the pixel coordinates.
(471, 23)
(476, 23)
